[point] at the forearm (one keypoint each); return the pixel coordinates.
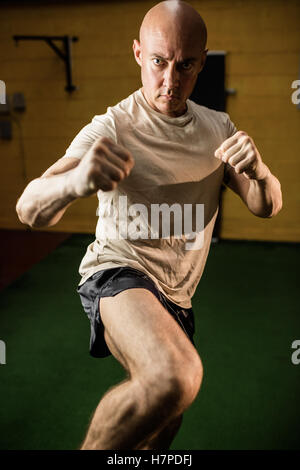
(264, 198)
(44, 198)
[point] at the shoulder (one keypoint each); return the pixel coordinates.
(220, 120)
(114, 111)
(101, 125)
(124, 106)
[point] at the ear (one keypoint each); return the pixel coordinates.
(137, 51)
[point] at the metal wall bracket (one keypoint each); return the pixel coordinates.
(65, 54)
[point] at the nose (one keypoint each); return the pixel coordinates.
(171, 77)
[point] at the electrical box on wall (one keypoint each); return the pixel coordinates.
(5, 107)
(5, 130)
(16, 102)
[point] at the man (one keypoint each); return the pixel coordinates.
(154, 147)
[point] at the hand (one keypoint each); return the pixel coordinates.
(240, 152)
(102, 167)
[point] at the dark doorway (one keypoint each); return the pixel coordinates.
(210, 91)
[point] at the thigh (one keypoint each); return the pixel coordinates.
(115, 351)
(143, 334)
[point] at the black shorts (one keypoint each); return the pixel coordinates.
(110, 282)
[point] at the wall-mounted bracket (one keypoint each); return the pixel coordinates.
(65, 54)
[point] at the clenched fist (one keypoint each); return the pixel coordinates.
(240, 152)
(102, 167)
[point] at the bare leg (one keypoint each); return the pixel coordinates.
(121, 417)
(165, 374)
(163, 439)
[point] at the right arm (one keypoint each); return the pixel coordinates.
(45, 199)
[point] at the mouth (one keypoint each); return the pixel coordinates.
(170, 97)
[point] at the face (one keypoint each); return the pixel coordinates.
(170, 64)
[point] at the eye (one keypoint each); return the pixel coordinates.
(156, 58)
(186, 65)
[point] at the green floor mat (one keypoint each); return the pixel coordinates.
(247, 317)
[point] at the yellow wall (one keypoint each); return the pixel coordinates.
(262, 40)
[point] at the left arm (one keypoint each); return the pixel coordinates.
(249, 177)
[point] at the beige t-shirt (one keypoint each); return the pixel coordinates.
(175, 167)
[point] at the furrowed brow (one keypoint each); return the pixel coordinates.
(160, 56)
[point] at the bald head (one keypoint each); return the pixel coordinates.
(171, 53)
(177, 16)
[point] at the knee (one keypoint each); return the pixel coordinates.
(176, 382)
(187, 377)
